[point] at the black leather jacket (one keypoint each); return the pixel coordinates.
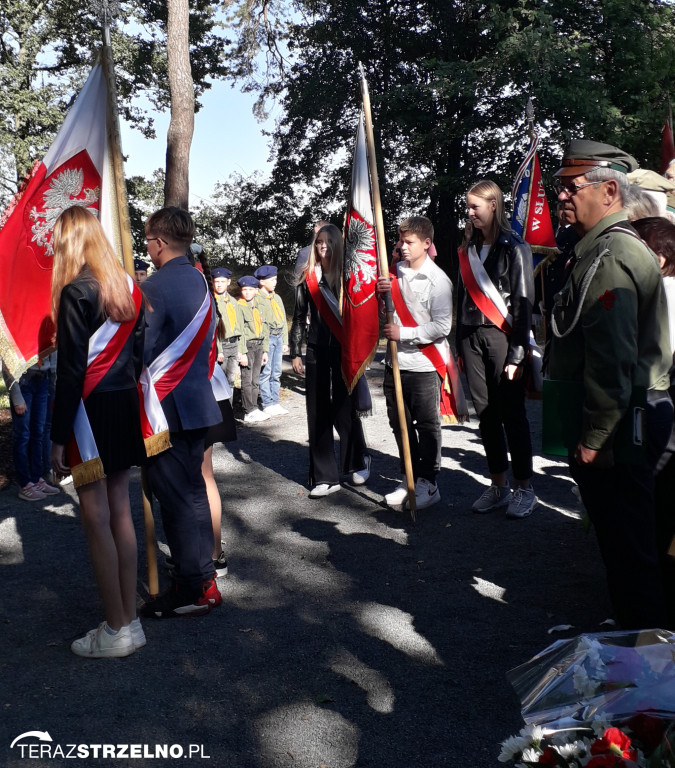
(509, 266)
(80, 314)
(318, 333)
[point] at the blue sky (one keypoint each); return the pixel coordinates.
(227, 139)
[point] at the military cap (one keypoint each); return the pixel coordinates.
(651, 180)
(582, 156)
(221, 272)
(267, 270)
(247, 280)
(139, 265)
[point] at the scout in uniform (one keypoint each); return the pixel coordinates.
(233, 346)
(256, 332)
(275, 317)
(140, 271)
(610, 342)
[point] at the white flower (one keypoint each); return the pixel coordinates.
(530, 755)
(575, 748)
(513, 746)
(583, 684)
(534, 734)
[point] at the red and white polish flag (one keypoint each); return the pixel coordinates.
(359, 308)
(77, 170)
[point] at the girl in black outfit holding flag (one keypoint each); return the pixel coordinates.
(329, 405)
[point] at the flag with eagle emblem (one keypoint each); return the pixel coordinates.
(359, 305)
(77, 170)
(531, 217)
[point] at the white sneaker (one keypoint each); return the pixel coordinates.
(137, 633)
(426, 493)
(360, 477)
(398, 495)
(255, 416)
(275, 410)
(323, 489)
(493, 497)
(98, 644)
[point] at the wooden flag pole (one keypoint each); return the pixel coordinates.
(389, 306)
(123, 228)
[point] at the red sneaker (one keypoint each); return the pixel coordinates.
(210, 594)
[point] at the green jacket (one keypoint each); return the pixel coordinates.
(276, 320)
(255, 326)
(620, 337)
(225, 301)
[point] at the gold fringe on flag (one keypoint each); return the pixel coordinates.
(87, 472)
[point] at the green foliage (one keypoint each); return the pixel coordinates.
(449, 81)
(48, 48)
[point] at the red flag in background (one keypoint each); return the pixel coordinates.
(76, 170)
(667, 144)
(359, 305)
(531, 217)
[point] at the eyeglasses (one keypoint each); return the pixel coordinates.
(571, 187)
(150, 239)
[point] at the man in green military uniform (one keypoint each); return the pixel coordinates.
(274, 315)
(257, 334)
(610, 334)
(233, 346)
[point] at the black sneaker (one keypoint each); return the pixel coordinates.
(220, 565)
(178, 600)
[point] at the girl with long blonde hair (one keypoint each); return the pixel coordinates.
(317, 296)
(94, 304)
(493, 353)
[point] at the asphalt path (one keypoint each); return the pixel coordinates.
(348, 636)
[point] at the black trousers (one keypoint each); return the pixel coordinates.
(250, 376)
(499, 403)
(329, 405)
(620, 504)
(421, 392)
(175, 478)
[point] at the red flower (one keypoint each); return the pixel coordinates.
(607, 299)
(613, 740)
(548, 757)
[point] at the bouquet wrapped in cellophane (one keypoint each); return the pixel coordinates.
(597, 700)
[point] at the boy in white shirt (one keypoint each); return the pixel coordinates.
(422, 295)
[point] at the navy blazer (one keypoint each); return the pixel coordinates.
(174, 294)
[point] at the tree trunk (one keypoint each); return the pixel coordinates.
(181, 127)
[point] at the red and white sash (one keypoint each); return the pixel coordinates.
(491, 303)
(411, 313)
(326, 304)
(219, 383)
(165, 372)
(105, 345)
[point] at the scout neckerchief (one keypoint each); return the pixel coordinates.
(257, 317)
(411, 313)
(231, 313)
(276, 309)
(105, 345)
(164, 374)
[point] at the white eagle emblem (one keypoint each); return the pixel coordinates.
(359, 261)
(64, 191)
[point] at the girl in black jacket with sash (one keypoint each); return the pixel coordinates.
(96, 430)
(328, 402)
(494, 354)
